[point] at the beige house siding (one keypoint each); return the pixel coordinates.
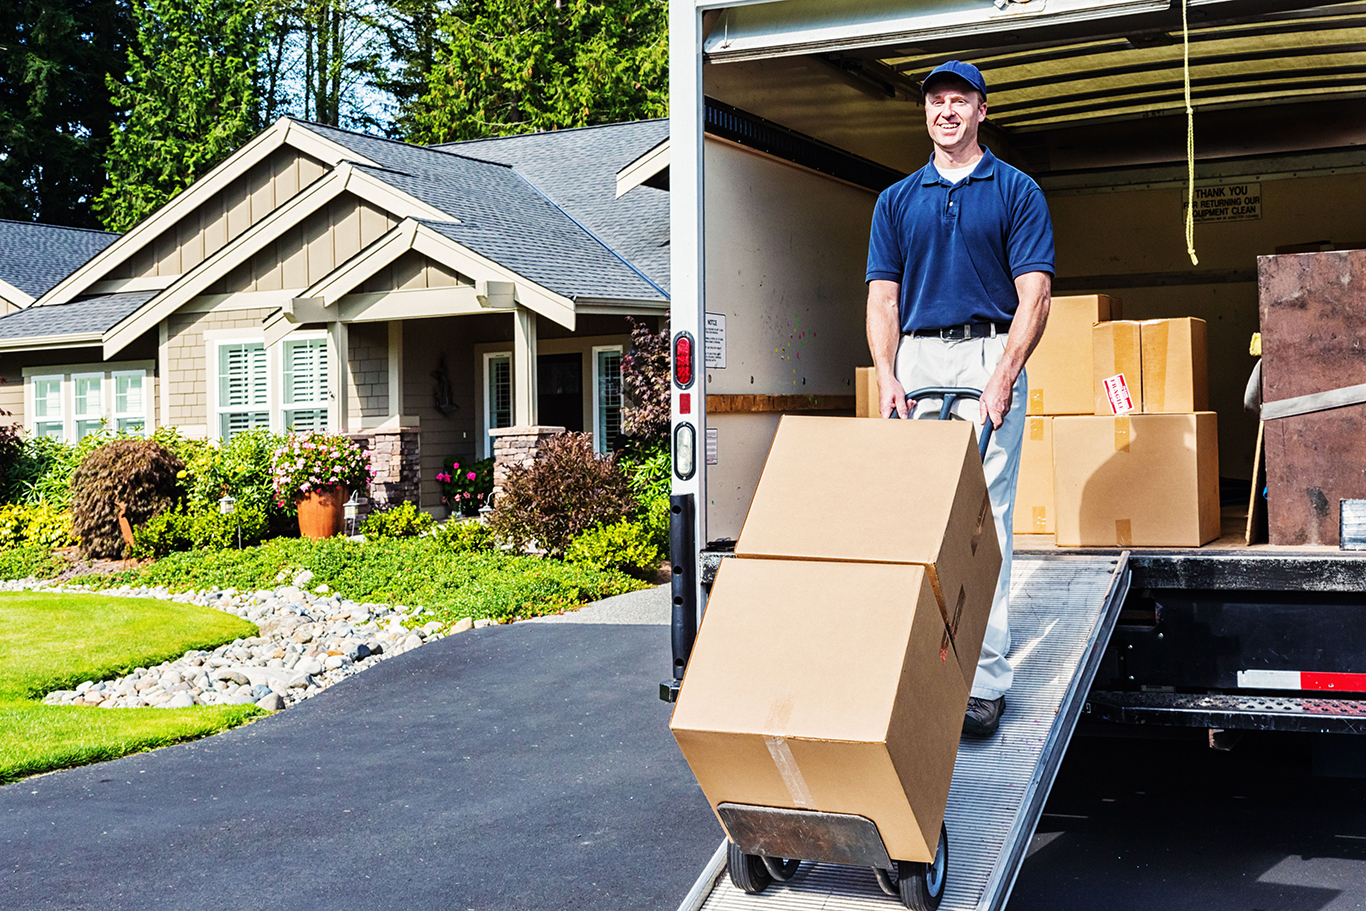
(212, 225)
(311, 249)
(188, 393)
(12, 368)
(368, 388)
(412, 270)
(425, 343)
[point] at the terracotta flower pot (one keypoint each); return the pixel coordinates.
(321, 513)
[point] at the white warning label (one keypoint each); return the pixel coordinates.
(1227, 202)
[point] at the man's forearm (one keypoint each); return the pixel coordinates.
(884, 328)
(1035, 296)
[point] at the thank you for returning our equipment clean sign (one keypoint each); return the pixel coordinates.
(1226, 202)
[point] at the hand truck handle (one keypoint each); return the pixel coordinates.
(950, 395)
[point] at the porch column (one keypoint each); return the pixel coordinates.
(339, 376)
(523, 368)
(396, 369)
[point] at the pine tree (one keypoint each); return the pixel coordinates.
(509, 66)
(54, 105)
(190, 102)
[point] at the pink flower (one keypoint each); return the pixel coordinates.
(455, 467)
(470, 476)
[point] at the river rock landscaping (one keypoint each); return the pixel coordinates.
(308, 640)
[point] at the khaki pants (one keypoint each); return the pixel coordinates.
(922, 362)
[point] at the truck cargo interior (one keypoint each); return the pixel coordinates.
(812, 107)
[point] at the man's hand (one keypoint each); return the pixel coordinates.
(996, 399)
(891, 397)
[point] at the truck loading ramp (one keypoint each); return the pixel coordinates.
(1063, 610)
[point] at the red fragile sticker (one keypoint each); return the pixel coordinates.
(1117, 394)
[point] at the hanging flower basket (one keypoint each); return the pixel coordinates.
(317, 472)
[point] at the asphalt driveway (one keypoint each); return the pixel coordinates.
(516, 767)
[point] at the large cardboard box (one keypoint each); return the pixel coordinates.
(1175, 366)
(889, 491)
(1142, 480)
(829, 687)
(1034, 509)
(866, 393)
(1059, 370)
(1117, 351)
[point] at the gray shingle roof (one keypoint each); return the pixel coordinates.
(35, 257)
(570, 235)
(577, 169)
(91, 314)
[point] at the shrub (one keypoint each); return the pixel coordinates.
(465, 537)
(402, 521)
(140, 474)
(310, 462)
(625, 546)
(239, 468)
(189, 527)
(31, 561)
(465, 488)
(11, 447)
(649, 472)
(645, 417)
(42, 524)
(566, 491)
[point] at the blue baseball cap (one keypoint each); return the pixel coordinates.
(957, 68)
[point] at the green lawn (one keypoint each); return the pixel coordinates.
(56, 641)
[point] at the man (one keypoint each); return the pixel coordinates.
(960, 268)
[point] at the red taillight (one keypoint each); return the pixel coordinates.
(684, 352)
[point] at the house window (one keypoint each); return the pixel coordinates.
(243, 390)
(130, 409)
(305, 384)
(498, 389)
(69, 403)
(87, 406)
(607, 407)
(47, 407)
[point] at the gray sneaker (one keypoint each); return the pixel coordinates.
(983, 716)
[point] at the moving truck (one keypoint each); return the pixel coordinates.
(789, 117)
(787, 120)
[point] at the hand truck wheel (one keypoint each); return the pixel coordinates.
(920, 886)
(752, 873)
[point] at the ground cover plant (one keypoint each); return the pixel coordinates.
(51, 641)
(444, 572)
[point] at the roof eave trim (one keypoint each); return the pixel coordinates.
(41, 342)
(16, 296)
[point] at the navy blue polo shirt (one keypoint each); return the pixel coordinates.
(956, 249)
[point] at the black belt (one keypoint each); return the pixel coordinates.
(966, 330)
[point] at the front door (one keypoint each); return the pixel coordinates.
(559, 401)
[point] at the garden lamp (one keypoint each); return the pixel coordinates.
(227, 505)
(349, 509)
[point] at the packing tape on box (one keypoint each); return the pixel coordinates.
(1036, 400)
(1155, 392)
(1122, 434)
(791, 775)
(1124, 533)
(1040, 519)
(1036, 428)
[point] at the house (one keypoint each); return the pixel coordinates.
(428, 299)
(34, 257)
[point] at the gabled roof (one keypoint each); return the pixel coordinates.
(34, 257)
(475, 205)
(87, 319)
(577, 170)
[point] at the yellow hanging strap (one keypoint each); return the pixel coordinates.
(1190, 138)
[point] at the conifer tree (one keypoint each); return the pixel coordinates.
(190, 100)
(510, 66)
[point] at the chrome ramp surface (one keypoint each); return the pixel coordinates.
(1062, 611)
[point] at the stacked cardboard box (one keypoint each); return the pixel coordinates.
(837, 651)
(1060, 382)
(1144, 471)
